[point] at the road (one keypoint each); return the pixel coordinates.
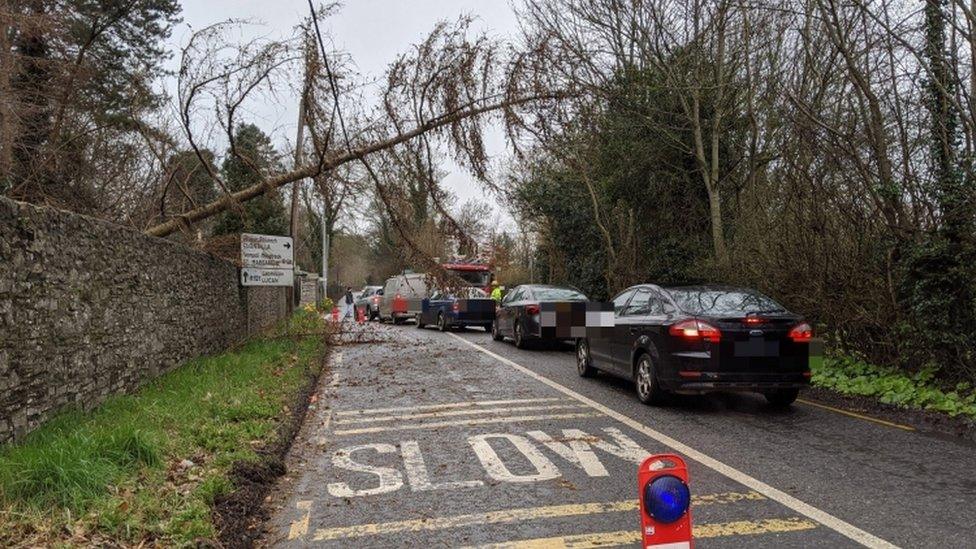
(451, 439)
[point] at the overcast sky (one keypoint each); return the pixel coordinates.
(372, 32)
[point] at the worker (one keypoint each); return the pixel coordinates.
(496, 291)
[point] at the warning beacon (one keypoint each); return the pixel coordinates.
(665, 503)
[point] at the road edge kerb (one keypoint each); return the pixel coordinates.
(844, 528)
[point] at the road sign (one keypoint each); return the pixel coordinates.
(262, 251)
(665, 502)
(267, 277)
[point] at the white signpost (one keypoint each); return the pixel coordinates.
(267, 260)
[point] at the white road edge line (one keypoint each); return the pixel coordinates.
(844, 528)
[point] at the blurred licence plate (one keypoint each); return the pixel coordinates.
(756, 346)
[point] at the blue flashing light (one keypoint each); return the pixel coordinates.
(666, 498)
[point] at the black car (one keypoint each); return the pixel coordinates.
(519, 315)
(700, 339)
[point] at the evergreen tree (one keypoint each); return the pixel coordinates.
(257, 159)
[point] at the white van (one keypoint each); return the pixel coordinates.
(403, 297)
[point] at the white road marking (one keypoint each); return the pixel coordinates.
(419, 477)
(390, 480)
(460, 422)
(496, 468)
(445, 406)
(844, 528)
(453, 413)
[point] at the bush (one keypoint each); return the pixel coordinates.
(853, 376)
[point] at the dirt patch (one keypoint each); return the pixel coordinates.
(923, 420)
(239, 515)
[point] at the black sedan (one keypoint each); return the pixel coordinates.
(700, 339)
(520, 313)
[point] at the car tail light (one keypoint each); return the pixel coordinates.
(695, 330)
(531, 309)
(753, 320)
(397, 296)
(456, 307)
(376, 299)
(801, 333)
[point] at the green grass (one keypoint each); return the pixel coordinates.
(114, 475)
(851, 376)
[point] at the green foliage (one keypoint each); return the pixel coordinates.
(257, 160)
(634, 153)
(115, 471)
(852, 376)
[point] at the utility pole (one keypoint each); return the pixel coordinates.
(295, 187)
(325, 248)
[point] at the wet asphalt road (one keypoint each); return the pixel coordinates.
(427, 438)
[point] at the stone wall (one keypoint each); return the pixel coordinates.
(89, 309)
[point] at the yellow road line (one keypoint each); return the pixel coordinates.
(458, 422)
(509, 516)
(451, 413)
(447, 405)
(300, 527)
(857, 415)
(628, 537)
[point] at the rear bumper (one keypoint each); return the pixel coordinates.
(699, 374)
(756, 385)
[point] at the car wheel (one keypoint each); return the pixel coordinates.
(584, 363)
(419, 323)
(397, 320)
(645, 379)
(519, 338)
(495, 333)
(442, 322)
(781, 398)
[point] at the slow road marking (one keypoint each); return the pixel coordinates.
(844, 528)
(505, 516)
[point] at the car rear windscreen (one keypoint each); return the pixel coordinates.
(557, 294)
(713, 302)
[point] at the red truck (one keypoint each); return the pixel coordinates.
(474, 272)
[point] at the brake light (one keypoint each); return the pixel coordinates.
(694, 330)
(376, 299)
(753, 320)
(801, 333)
(531, 309)
(456, 307)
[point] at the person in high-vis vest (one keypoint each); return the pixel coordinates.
(496, 292)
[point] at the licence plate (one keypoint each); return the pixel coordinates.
(756, 347)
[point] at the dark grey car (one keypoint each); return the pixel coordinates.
(519, 316)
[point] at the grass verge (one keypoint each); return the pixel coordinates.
(163, 465)
(853, 377)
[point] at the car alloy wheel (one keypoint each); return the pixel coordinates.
(441, 322)
(519, 336)
(495, 333)
(584, 365)
(648, 390)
